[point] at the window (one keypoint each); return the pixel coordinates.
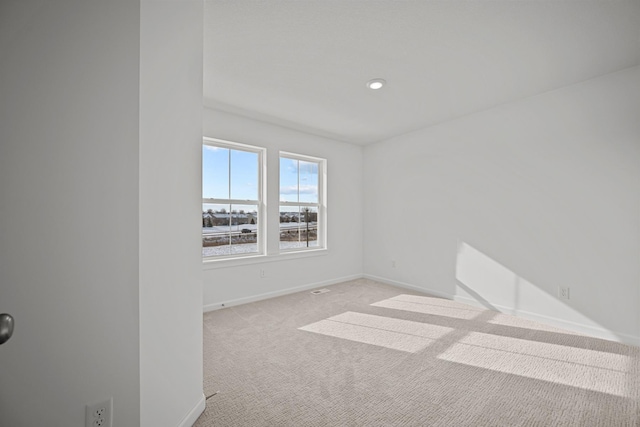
(302, 205)
(232, 199)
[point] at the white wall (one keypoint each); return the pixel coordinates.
(69, 210)
(101, 118)
(170, 218)
(503, 206)
(342, 260)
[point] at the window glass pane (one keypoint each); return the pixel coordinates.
(289, 227)
(244, 175)
(308, 181)
(288, 180)
(231, 172)
(244, 229)
(215, 172)
(229, 229)
(298, 227)
(209, 251)
(215, 230)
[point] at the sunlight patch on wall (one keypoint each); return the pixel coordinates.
(486, 280)
(482, 280)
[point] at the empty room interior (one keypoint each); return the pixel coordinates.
(480, 210)
(320, 213)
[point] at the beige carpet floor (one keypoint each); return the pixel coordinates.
(368, 354)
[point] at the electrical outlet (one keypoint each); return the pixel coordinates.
(263, 274)
(563, 292)
(393, 263)
(99, 414)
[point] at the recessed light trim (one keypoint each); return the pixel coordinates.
(376, 84)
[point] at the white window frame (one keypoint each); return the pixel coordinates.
(262, 211)
(321, 206)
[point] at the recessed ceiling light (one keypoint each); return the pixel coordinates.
(376, 84)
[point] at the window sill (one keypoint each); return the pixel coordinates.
(212, 264)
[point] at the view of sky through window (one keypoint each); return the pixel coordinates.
(217, 183)
(298, 181)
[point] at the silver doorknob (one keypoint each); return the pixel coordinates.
(6, 327)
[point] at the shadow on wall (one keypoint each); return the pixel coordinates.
(485, 282)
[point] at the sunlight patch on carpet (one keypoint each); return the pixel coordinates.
(577, 367)
(426, 305)
(396, 334)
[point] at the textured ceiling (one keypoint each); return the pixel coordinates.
(304, 64)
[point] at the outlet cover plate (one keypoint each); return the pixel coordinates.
(99, 414)
(563, 292)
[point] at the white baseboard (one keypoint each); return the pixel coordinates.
(267, 295)
(190, 419)
(559, 323)
(408, 286)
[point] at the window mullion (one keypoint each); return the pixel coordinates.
(309, 204)
(230, 204)
(231, 201)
